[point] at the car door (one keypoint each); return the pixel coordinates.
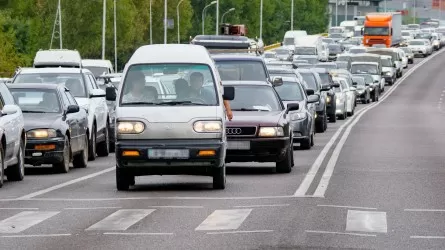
(71, 122)
(12, 123)
(99, 104)
(81, 121)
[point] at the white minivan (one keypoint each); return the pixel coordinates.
(311, 45)
(350, 27)
(290, 38)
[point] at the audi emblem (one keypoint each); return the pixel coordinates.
(233, 131)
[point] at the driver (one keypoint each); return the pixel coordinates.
(136, 81)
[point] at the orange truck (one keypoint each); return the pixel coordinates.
(383, 28)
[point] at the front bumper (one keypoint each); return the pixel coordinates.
(389, 79)
(261, 150)
(192, 165)
(301, 129)
(37, 157)
(332, 57)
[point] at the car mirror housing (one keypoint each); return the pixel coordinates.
(313, 98)
(292, 107)
(110, 94)
(97, 93)
(310, 92)
(9, 110)
(72, 109)
(229, 93)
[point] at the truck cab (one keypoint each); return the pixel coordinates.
(382, 28)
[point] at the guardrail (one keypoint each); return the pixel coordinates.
(276, 45)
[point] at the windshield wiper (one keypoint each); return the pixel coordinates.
(32, 111)
(172, 103)
(246, 109)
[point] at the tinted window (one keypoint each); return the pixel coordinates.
(325, 78)
(359, 80)
(416, 43)
(74, 82)
(257, 98)
(364, 68)
(309, 78)
(241, 70)
(290, 91)
(37, 100)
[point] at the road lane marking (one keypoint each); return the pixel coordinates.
(427, 237)
(366, 221)
(19, 208)
(176, 207)
(241, 232)
(423, 210)
(341, 233)
(268, 205)
(224, 220)
(90, 208)
(24, 220)
(350, 207)
(34, 235)
(121, 219)
(325, 179)
(138, 234)
(59, 186)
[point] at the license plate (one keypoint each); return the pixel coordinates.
(168, 153)
(238, 145)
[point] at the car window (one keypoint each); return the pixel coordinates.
(37, 100)
(241, 70)
(65, 101)
(97, 71)
(71, 99)
(73, 81)
(199, 90)
(7, 97)
(93, 81)
(256, 98)
(309, 78)
(290, 91)
(364, 68)
(325, 78)
(88, 81)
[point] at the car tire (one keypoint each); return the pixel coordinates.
(333, 118)
(306, 143)
(285, 166)
(325, 120)
(16, 172)
(219, 177)
(64, 166)
(92, 145)
(81, 160)
(2, 165)
(312, 140)
(103, 148)
(123, 181)
(343, 116)
(319, 126)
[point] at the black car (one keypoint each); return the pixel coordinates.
(362, 89)
(314, 82)
(331, 99)
(260, 130)
(56, 127)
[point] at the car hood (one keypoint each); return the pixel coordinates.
(387, 69)
(41, 120)
(255, 118)
(416, 46)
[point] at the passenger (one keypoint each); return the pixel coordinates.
(182, 89)
(150, 94)
(136, 86)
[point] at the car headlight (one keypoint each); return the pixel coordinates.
(436, 43)
(328, 99)
(271, 131)
(130, 127)
(207, 126)
(389, 73)
(41, 133)
(370, 89)
(360, 91)
(298, 116)
(424, 49)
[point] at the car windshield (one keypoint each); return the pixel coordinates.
(74, 82)
(97, 71)
(357, 50)
(309, 78)
(194, 85)
(326, 66)
(305, 51)
(416, 43)
(255, 98)
(37, 100)
(288, 41)
(282, 74)
(359, 80)
(290, 91)
(324, 77)
(350, 28)
(342, 65)
(364, 69)
(241, 70)
(407, 50)
(269, 55)
(335, 30)
(386, 62)
(413, 26)
(336, 35)
(343, 58)
(311, 60)
(406, 33)
(282, 52)
(423, 36)
(376, 31)
(334, 48)
(328, 40)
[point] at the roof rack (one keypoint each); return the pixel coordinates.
(222, 42)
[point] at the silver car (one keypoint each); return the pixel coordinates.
(341, 93)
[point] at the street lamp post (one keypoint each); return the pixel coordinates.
(225, 13)
(151, 26)
(204, 13)
(336, 12)
(177, 12)
(414, 10)
(115, 38)
(217, 17)
(292, 16)
(261, 19)
(384, 5)
(346, 10)
(165, 21)
(104, 17)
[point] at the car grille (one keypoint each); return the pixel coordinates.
(241, 131)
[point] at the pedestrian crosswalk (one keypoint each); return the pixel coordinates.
(108, 221)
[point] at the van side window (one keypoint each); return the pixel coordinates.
(6, 95)
(93, 81)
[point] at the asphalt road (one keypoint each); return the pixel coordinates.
(374, 181)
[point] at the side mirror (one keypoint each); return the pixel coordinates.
(325, 87)
(110, 94)
(395, 65)
(310, 92)
(229, 93)
(335, 85)
(292, 107)
(9, 110)
(366, 84)
(72, 109)
(281, 43)
(354, 84)
(313, 98)
(97, 93)
(277, 81)
(401, 59)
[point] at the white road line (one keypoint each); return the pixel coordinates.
(90, 208)
(340, 233)
(241, 232)
(423, 210)
(176, 206)
(24, 220)
(121, 219)
(34, 235)
(268, 205)
(366, 221)
(18, 208)
(224, 220)
(138, 234)
(324, 182)
(350, 207)
(427, 237)
(47, 190)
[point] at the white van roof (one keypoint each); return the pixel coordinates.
(308, 40)
(349, 23)
(58, 58)
(97, 63)
(171, 53)
(294, 33)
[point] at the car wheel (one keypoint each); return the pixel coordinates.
(333, 118)
(2, 166)
(103, 148)
(16, 172)
(325, 120)
(306, 143)
(112, 145)
(319, 126)
(312, 141)
(92, 145)
(285, 166)
(81, 160)
(64, 165)
(219, 177)
(123, 181)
